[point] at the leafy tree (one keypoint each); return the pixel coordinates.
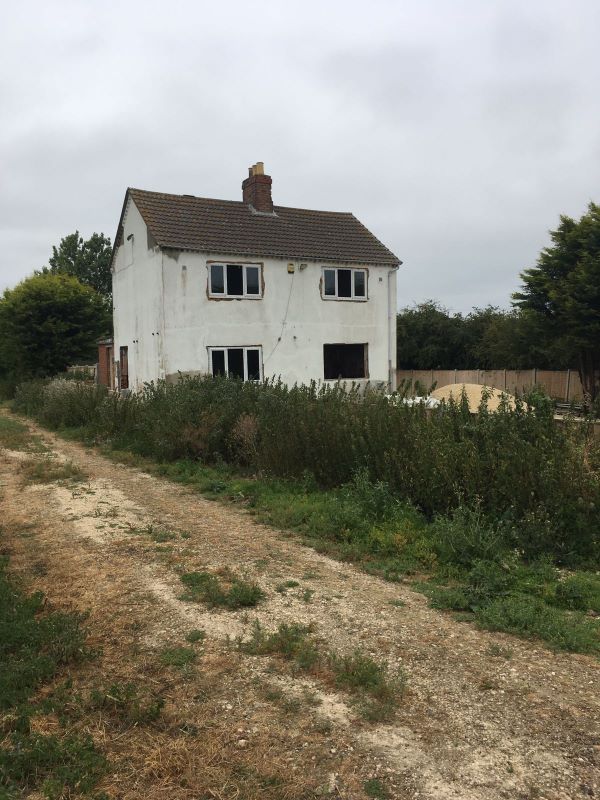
(87, 260)
(48, 322)
(563, 293)
(429, 337)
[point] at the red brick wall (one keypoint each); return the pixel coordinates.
(256, 190)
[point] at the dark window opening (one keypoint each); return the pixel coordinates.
(252, 277)
(344, 282)
(217, 281)
(345, 361)
(329, 280)
(235, 279)
(218, 362)
(253, 365)
(235, 357)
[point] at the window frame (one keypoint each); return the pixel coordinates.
(224, 348)
(244, 265)
(353, 297)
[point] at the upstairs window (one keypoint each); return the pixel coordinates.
(234, 280)
(236, 362)
(344, 284)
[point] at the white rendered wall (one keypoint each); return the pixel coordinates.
(291, 322)
(137, 301)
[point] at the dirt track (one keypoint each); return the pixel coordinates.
(472, 725)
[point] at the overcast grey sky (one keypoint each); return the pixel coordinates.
(456, 130)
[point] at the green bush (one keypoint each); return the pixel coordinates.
(579, 592)
(467, 535)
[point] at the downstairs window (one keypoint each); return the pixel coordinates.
(345, 361)
(244, 363)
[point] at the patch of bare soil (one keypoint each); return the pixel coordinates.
(472, 725)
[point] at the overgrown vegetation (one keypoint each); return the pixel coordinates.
(493, 507)
(35, 645)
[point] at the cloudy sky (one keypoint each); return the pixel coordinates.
(456, 130)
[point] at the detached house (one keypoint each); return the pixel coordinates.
(248, 289)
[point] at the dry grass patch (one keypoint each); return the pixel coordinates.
(48, 470)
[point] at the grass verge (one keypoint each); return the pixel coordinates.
(35, 646)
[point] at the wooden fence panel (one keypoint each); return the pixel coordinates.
(561, 385)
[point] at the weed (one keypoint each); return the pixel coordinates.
(47, 470)
(206, 588)
(307, 595)
(195, 636)
(126, 702)
(178, 657)
(359, 673)
(161, 536)
(291, 641)
(497, 651)
(375, 788)
(291, 705)
(398, 603)
(281, 588)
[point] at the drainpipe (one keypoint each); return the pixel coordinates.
(391, 327)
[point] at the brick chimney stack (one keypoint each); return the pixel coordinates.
(256, 189)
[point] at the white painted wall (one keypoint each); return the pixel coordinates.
(166, 294)
(137, 301)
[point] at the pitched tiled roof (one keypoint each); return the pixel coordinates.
(184, 222)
